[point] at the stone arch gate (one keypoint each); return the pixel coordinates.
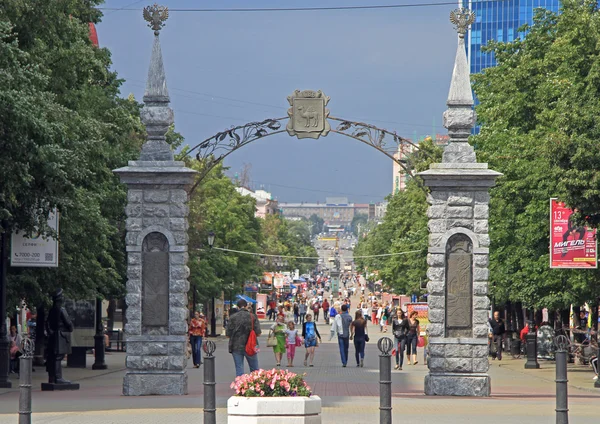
(156, 240)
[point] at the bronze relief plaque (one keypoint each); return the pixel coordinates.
(155, 280)
(459, 286)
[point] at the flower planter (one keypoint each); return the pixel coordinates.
(274, 410)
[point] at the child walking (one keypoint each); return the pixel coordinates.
(292, 335)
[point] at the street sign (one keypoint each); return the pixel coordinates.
(35, 251)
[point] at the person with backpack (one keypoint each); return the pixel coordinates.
(341, 328)
(243, 330)
(325, 307)
(315, 308)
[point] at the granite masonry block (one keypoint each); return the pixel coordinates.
(436, 287)
(178, 272)
(133, 362)
(437, 225)
(459, 223)
(177, 362)
(460, 199)
(481, 274)
(134, 314)
(481, 302)
(459, 212)
(155, 348)
(134, 285)
(435, 273)
(178, 224)
(458, 364)
(481, 261)
(177, 300)
(143, 384)
(133, 224)
(178, 328)
(435, 239)
(178, 314)
(156, 210)
(133, 299)
(481, 212)
(436, 316)
(459, 351)
(156, 196)
(134, 272)
(482, 197)
(484, 240)
(131, 238)
(436, 364)
(436, 212)
(134, 258)
(435, 259)
(181, 237)
(481, 365)
(435, 330)
(154, 221)
(480, 316)
(134, 210)
(436, 302)
(179, 196)
(133, 327)
(176, 349)
(480, 351)
(481, 226)
(437, 198)
(178, 211)
(155, 362)
(480, 330)
(480, 288)
(179, 258)
(437, 350)
(452, 385)
(178, 286)
(134, 349)
(134, 196)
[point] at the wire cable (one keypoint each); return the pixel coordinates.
(242, 252)
(300, 9)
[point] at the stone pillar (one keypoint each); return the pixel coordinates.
(458, 248)
(157, 285)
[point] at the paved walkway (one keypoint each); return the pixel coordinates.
(350, 395)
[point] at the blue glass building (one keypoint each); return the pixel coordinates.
(498, 20)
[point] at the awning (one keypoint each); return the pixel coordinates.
(246, 298)
(293, 286)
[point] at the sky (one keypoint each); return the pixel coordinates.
(388, 67)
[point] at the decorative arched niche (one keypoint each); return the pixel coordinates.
(459, 286)
(155, 283)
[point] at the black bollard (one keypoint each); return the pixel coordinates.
(27, 348)
(562, 401)
(99, 363)
(210, 401)
(531, 340)
(385, 345)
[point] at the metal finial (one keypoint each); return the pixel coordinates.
(462, 18)
(27, 347)
(156, 16)
(385, 345)
(209, 347)
(561, 342)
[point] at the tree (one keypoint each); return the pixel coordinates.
(403, 229)
(537, 110)
(63, 129)
(318, 224)
(359, 222)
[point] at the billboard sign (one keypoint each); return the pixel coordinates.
(35, 251)
(570, 246)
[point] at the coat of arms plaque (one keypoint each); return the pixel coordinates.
(308, 115)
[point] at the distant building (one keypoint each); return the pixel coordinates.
(265, 204)
(336, 212)
(399, 175)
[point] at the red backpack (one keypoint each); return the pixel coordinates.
(252, 343)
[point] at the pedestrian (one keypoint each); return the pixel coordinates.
(296, 312)
(302, 311)
(315, 308)
(291, 336)
(384, 317)
(278, 330)
(498, 331)
(240, 325)
(380, 318)
(412, 336)
(400, 329)
(288, 313)
(374, 312)
(341, 328)
(310, 334)
(272, 310)
(325, 307)
(332, 312)
(358, 334)
(196, 332)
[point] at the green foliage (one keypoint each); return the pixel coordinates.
(404, 229)
(318, 224)
(63, 129)
(287, 238)
(538, 111)
(359, 221)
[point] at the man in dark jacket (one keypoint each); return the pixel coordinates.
(498, 331)
(58, 328)
(238, 332)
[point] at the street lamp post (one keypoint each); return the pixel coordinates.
(99, 363)
(4, 352)
(213, 317)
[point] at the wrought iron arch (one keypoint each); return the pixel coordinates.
(217, 147)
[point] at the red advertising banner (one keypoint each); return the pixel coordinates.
(570, 246)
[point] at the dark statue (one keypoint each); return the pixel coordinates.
(58, 329)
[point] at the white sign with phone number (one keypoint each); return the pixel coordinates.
(35, 251)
